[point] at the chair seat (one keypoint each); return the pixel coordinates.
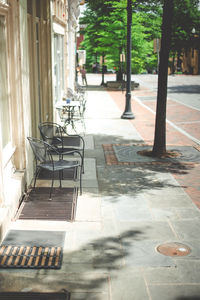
(61, 141)
(59, 165)
(44, 160)
(68, 141)
(74, 141)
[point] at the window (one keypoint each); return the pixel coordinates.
(4, 97)
(58, 66)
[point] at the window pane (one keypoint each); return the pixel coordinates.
(4, 104)
(58, 66)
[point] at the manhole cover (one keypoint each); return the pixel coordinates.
(174, 249)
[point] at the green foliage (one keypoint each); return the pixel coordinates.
(186, 20)
(105, 33)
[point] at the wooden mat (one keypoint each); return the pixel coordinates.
(35, 257)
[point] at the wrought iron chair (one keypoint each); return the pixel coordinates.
(44, 160)
(55, 135)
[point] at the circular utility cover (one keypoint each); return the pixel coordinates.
(174, 249)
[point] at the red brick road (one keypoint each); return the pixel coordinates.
(183, 117)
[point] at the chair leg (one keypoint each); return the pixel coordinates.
(60, 177)
(51, 190)
(80, 181)
(83, 169)
(37, 171)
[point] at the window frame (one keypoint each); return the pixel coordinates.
(8, 150)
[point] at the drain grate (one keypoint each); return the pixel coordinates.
(174, 249)
(30, 257)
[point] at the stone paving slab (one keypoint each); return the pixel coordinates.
(90, 284)
(176, 292)
(89, 296)
(168, 197)
(34, 238)
(128, 284)
(180, 273)
(143, 254)
(186, 229)
(89, 142)
(146, 230)
(174, 213)
(88, 207)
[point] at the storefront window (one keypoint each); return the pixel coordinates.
(58, 67)
(4, 97)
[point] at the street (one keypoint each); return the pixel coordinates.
(181, 88)
(183, 106)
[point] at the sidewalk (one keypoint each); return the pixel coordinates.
(126, 211)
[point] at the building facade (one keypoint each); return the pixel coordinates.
(38, 53)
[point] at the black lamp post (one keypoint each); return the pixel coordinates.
(128, 113)
(103, 69)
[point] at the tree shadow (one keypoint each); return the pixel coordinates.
(188, 298)
(181, 168)
(85, 271)
(185, 89)
(94, 87)
(134, 179)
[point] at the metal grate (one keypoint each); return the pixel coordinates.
(30, 257)
(34, 296)
(37, 207)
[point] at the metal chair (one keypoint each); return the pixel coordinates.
(44, 160)
(55, 135)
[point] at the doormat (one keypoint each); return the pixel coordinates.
(37, 206)
(46, 238)
(30, 257)
(34, 296)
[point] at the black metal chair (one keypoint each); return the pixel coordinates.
(55, 135)
(44, 160)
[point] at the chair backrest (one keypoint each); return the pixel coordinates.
(49, 131)
(40, 149)
(72, 95)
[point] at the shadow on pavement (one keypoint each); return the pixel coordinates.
(188, 298)
(188, 89)
(116, 180)
(83, 270)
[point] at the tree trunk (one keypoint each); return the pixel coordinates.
(159, 147)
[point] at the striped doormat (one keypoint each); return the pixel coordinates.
(34, 296)
(33, 257)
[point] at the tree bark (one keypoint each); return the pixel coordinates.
(159, 147)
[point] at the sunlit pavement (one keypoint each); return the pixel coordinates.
(126, 211)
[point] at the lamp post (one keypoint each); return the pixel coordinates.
(103, 69)
(128, 112)
(122, 60)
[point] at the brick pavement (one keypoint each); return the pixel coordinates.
(182, 116)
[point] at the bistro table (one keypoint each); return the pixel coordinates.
(67, 110)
